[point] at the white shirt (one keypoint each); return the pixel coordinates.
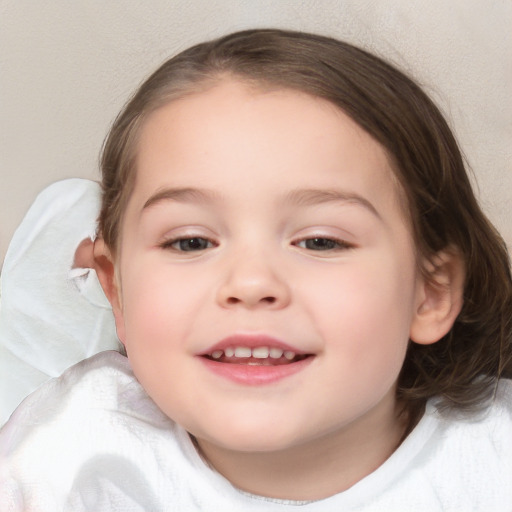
(93, 440)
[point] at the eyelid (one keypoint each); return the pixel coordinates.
(328, 232)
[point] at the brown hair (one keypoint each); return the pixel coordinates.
(464, 366)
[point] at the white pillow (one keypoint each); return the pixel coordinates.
(51, 316)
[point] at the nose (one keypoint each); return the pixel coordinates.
(253, 282)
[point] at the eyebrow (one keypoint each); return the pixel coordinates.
(181, 195)
(299, 197)
(312, 197)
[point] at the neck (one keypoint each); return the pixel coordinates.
(319, 468)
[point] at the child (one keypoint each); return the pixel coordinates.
(314, 308)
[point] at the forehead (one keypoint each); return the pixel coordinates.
(244, 135)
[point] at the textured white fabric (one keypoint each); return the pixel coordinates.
(51, 317)
(93, 440)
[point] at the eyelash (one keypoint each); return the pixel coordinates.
(326, 244)
(333, 244)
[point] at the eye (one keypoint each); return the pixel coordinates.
(323, 244)
(188, 244)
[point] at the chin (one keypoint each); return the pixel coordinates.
(256, 440)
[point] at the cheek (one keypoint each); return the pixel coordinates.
(366, 311)
(157, 306)
(159, 309)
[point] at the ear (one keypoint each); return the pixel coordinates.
(108, 277)
(440, 297)
(84, 257)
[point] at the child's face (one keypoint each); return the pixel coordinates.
(265, 221)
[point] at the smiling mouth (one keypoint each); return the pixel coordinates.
(258, 356)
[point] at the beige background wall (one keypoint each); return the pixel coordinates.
(66, 68)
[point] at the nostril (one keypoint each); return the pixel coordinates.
(266, 300)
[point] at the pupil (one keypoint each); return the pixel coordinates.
(193, 244)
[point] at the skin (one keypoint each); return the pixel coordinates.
(353, 306)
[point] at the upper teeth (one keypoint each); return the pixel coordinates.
(257, 352)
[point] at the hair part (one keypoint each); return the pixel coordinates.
(464, 366)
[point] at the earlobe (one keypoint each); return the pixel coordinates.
(105, 269)
(104, 266)
(440, 297)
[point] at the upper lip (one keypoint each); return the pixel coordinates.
(252, 341)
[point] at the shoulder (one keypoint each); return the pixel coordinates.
(93, 423)
(469, 456)
(491, 426)
(94, 383)
(99, 390)
(492, 422)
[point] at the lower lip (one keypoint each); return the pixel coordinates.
(254, 375)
